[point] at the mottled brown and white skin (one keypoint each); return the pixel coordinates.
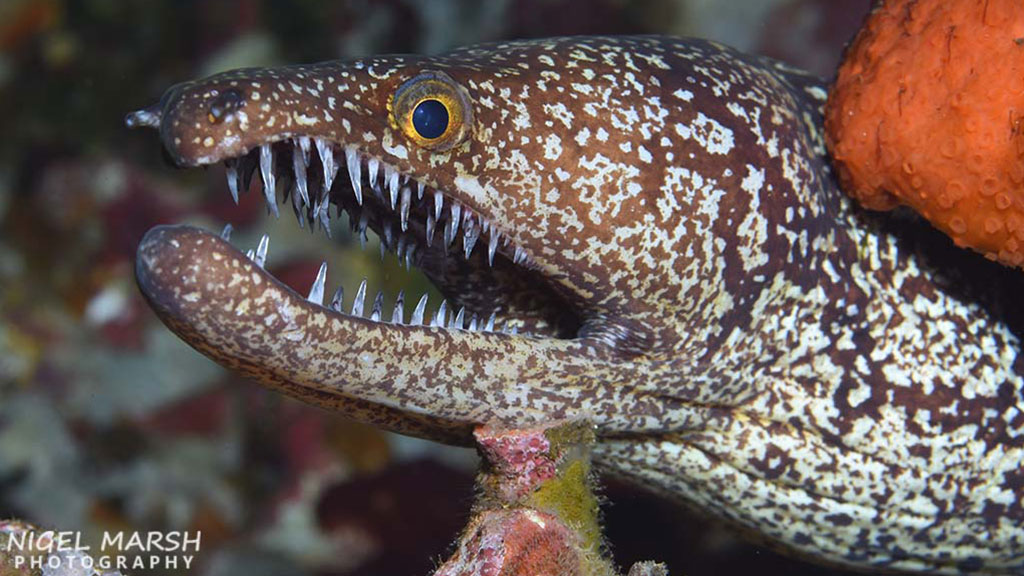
(843, 385)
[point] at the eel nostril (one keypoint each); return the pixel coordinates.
(147, 117)
(224, 104)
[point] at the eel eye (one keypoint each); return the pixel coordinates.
(432, 110)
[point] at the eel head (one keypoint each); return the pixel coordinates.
(530, 181)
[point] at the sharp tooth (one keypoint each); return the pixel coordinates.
(388, 234)
(485, 225)
(438, 320)
(398, 313)
(378, 307)
(400, 249)
(317, 194)
(392, 179)
(513, 330)
(383, 251)
(460, 319)
(269, 179)
(299, 168)
(372, 168)
(453, 232)
(405, 179)
(303, 145)
(456, 216)
(363, 220)
(326, 152)
(354, 172)
(261, 251)
(322, 214)
(357, 304)
(316, 292)
(438, 204)
(474, 323)
(519, 255)
(490, 322)
(469, 242)
(431, 224)
(492, 246)
(417, 313)
(419, 190)
(225, 234)
(250, 254)
(409, 252)
(231, 170)
(386, 178)
(336, 300)
(406, 202)
(448, 235)
(297, 207)
(469, 238)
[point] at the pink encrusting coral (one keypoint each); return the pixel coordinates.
(517, 542)
(520, 458)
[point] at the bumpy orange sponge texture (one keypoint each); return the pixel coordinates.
(928, 111)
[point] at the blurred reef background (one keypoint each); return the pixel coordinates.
(108, 422)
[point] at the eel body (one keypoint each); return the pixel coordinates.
(640, 231)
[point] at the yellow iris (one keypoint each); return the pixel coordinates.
(432, 110)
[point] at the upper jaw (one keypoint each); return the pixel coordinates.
(323, 176)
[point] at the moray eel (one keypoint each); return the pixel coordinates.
(639, 231)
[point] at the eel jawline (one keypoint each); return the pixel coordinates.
(421, 380)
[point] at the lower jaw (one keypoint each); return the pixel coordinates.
(423, 380)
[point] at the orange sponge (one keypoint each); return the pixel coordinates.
(928, 111)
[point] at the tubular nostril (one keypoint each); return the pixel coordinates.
(224, 104)
(147, 117)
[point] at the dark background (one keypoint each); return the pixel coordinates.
(108, 422)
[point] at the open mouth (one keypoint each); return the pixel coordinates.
(518, 336)
(489, 283)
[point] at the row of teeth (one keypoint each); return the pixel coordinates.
(310, 193)
(441, 318)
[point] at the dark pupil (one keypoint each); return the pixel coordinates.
(430, 118)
